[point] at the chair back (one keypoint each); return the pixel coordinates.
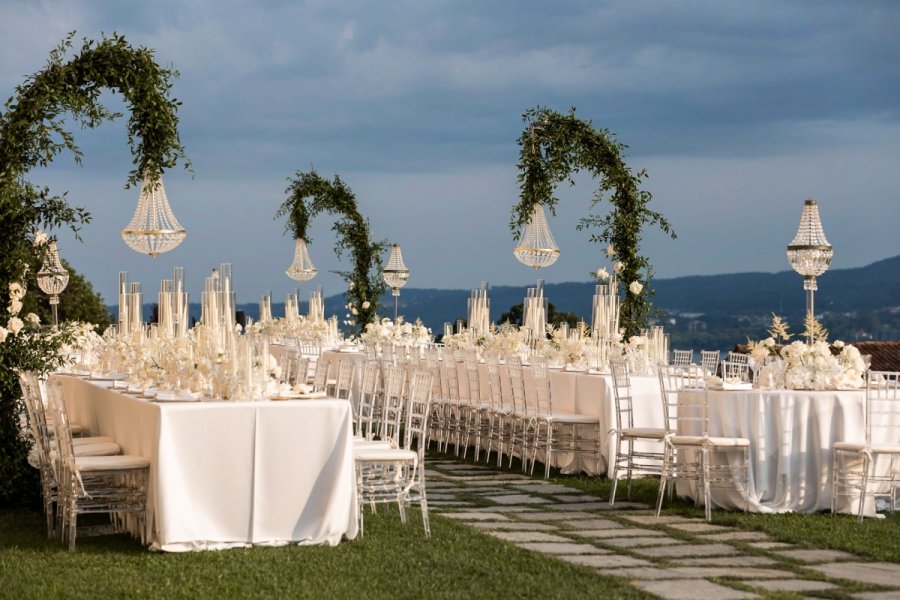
(344, 383)
(492, 362)
(473, 383)
(37, 416)
(320, 379)
(737, 357)
(416, 430)
(294, 366)
(621, 380)
(368, 394)
(882, 407)
(682, 358)
(388, 355)
(736, 372)
(392, 408)
(64, 466)
(543, 403)
(683, 392)
(709, 360)
(309, 347)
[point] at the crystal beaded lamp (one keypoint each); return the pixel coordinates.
(537, 248)
(302, 269)
(810, 253)
(153, 228)
(396, 274)
(53, 279)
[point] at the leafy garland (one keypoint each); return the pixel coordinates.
(309, 194)
(32, 134)
(553, 147)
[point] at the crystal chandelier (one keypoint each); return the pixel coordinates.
(537, 248)
(153, 228)
(810, 253)
(53, 279)
(302, 269)
(396, 274)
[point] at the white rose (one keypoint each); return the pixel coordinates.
(619, 266)
(40, 238)
(636, 287)
(838, 344)
(3, 333)
(15, 325)
(602, 274)
(14, 307)
(33, 318)
(354, 311)
(610, 250)
(366, 304)
(16, 291)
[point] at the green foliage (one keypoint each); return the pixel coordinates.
(310, 194)
(32, 134)
(552, 148)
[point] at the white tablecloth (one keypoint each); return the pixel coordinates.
(232, 474)
(791, 434)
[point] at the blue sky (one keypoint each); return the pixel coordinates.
(738, 110)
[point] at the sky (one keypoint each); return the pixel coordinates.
(737, 110)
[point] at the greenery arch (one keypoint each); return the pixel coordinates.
(555, 146)
(310, 194)
(32, 134)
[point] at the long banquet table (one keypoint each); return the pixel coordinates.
(791, 435)
(232, 474)
(572, 392)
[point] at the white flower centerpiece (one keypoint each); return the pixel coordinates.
(399, 333)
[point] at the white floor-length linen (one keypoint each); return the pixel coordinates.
(791, 435)
(233, 474)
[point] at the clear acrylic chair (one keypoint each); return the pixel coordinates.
(709, 360)
(366, 403)
(388, 475)
(475, 413)
(497, 419)
(113, 485)
(738, 357)
(343, 383)
(452, 405)
(871, 467)
(627, 457)
(320, 377)
(558, 432)
(682, 357)
(691, 453)
(522, 416)
(736, 372)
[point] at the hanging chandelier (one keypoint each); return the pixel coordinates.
(302, 269)
(153, 228)
(53, 279)
(810, 253)
(537, 248)
(396, 274)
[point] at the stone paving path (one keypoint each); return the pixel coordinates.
(671, 557)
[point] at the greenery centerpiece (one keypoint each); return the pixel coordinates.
(552, 148)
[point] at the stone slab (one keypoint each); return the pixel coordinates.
(516, 526)
(517, 499)
(545, 488)
(725, 561)
(876, 573)
(587, 524)
(583, 506)
(441, 497)
(698, 527)
(640, 542)
(677, 589)
(575, 497)
(815, 556)
(742, 573)
(460, 467)
(619, 532)
(770, 545)
(563, 548)
(527, 536)
(737, 536)
(555, 516)
(505, 509)
(646, 574)
(660, 520)
(448, 503)
(793, 585)
(606, 561)
(477, 516)
(878, 596)
(685, 550)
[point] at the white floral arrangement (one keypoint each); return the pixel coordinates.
(635, 352)
(399, 333)
(321, 330)
(814, 367)
(566, 349)
(505, 340)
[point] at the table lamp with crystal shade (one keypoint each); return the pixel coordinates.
(396, 275)
(810, 253)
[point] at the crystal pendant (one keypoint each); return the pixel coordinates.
(395, 273)
(53, 276)
(537, 248)
(302, 269)
(810, 253)
(153, 228)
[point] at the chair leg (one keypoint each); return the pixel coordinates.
(423, 505)
(663, 478)
(864, 486)
(704, 474)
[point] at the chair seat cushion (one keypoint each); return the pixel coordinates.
(97, 449)
(363, 444)
(719, 442)
(94, 439)
(574, 419)
(655, 433)
(384, 455)
(860, 446)
(111, 463)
